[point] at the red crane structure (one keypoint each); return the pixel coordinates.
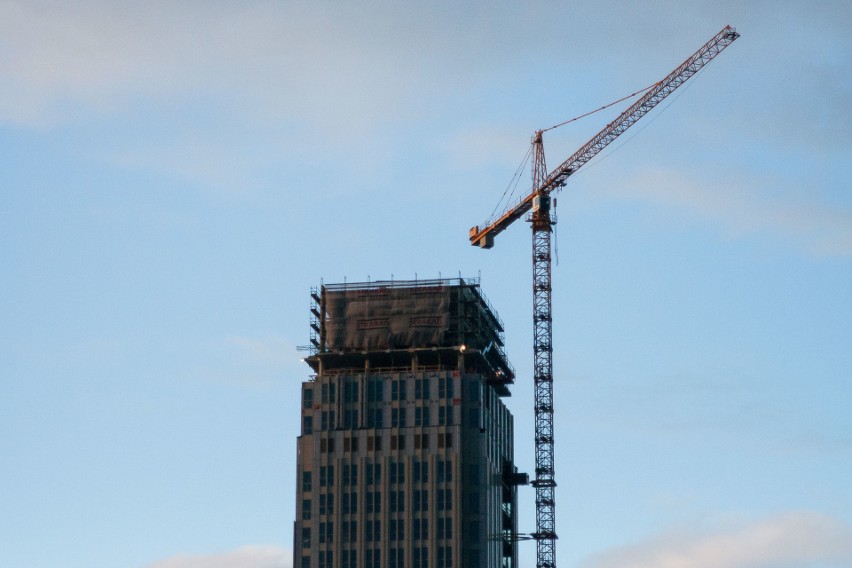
(537, 203)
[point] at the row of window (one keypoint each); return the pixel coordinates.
(373, 474)
(348, 503)
(373, 533)
(375, 418)
(373, 558)
(375, 391)
(397, 442)
(373, 502)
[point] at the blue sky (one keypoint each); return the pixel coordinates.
(174, 177)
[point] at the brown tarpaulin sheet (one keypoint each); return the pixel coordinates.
(386, 318)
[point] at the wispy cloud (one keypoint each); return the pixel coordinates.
(228, 91)
(292, 62)
(740, 206)
(245, 557)
(794, 540)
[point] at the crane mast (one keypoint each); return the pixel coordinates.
(544, 481)
(537, 203)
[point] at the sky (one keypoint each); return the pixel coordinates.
(175, 177)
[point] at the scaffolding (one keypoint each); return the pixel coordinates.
(407, 323)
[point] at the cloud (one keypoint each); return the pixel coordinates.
(744, 206)
(224, 94)
(791, 540)
(296, 61)
(245, 557)
(217, 93)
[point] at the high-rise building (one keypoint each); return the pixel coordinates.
(405, 457)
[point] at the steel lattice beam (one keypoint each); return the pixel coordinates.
(538, 204)
(545, 480)
(484, 236)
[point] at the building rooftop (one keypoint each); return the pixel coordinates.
(400, 323)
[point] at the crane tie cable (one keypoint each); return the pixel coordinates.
(603, 107)
(513, 185)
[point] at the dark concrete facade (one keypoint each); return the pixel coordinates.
(405, 458)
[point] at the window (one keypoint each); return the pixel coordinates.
(326, 559)
(445, 415)
(445, 528)
(473, 556)
(445, 440)
(350, 392)
(472, 417)
(349, 559)
(350, 444)
(420, 529)
(396, 501)
(420, 500)
(374, 473)
(396, 558)
(350, 418)
(398, 442)
(445, 500)
(420, 557)
(397, 472)
(445, 556)
(350, 474)
(308, 398)
(421, 389)
(471, 500)
(306, 562)
(326, 475)
(420, 471)
(350, 503)
(373, 531)
(445, 470)
(445, 388)
(373, 502)
(349, 531)
(308, 425)
(375, 391)
(306, 509)
(421, 416)
(373, 558)
(397, 417)
(326, 504)
(398, 389)
(375, 418)
(306, 481)
(306, 537)
(328, 422)
(329, 396)
(326, 533)
(421, 441)
(374, 443)
(396, 529)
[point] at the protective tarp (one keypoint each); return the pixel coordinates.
(386, 318)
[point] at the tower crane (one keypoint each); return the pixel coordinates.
(537, 203)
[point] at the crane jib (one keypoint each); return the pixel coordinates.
(537, 203)
(484, 236)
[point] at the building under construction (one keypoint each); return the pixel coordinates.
(405, 457)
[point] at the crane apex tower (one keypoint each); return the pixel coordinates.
(406, 457)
